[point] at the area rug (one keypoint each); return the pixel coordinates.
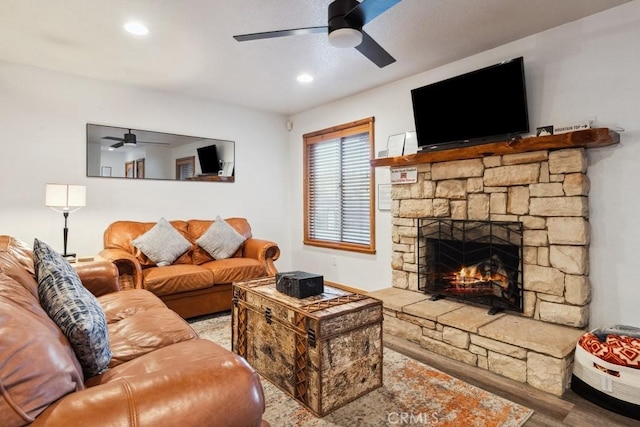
(413, 394)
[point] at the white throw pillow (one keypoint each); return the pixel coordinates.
(163, 244)
(220, 240)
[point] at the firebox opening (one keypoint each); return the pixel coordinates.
(475, 261)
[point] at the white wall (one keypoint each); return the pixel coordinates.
(43, 118)
(580, 70)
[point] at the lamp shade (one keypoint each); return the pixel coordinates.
(65, 196)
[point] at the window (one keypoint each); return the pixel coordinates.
(338, 187)
(185, 168)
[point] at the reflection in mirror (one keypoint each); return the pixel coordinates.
(116, 152)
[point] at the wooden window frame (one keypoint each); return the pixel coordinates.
(340, 131)
(140, 168)
(191, 160)
(130, 169)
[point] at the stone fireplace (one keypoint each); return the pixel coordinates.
(543, 186)
(545, 191)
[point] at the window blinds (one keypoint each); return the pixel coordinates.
(339, 193)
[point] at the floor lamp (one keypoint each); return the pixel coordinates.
(65, 198)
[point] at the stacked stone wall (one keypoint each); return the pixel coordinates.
(546, 190)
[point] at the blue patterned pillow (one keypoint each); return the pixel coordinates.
(73, 308)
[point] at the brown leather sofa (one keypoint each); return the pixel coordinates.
(196, 283)
(160, 373)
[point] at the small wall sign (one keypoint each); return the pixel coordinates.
(404, 175)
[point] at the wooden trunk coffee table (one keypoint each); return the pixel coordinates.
(324, 351)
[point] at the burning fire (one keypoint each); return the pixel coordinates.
(488, 277)
(472, 276)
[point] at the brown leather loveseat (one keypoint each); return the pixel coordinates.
(195, 284)
(160, 373)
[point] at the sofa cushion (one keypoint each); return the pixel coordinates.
(120, 305)
(146, 331)
(73, 308)
(176, 278)
(120, 234)
(221, 240)
(16, 258)
(196, 382)
(235, 269)
(162, 244)
(37, 364)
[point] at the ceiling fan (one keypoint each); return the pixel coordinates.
(129, 139)
(346, 19)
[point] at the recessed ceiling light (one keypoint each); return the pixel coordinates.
(305, 78)
(136, 28)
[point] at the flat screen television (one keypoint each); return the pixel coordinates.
(208, 157)
(486, 105)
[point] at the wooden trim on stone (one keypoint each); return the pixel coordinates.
(588, 138)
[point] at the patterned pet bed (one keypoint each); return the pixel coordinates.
(606, 369)
(616, 349)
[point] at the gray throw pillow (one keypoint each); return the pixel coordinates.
(73, 308)
(162, 244)
(220, 240)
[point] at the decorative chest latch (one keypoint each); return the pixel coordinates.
(267, 315)
(311, 337)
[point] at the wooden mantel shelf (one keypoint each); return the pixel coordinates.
(588, 138)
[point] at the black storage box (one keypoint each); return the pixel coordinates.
(299, 284)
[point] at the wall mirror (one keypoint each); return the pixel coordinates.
(115, 152)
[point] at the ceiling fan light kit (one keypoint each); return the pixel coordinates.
(345, 21)
(345, 30)
(129, 139)
(345, 37)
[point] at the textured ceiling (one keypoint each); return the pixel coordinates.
(190, 49)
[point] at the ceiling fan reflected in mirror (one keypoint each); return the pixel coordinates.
(345, 21)
(129, 139)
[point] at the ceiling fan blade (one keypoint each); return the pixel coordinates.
(113, 138)
(281, 33)
(118, 145)
(376, 53)
(368, 10)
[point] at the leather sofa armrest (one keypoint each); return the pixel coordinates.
(264, 251)
(129, 268)
(99, 277)
(196, 394)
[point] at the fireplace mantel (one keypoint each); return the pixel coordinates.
(588, 138)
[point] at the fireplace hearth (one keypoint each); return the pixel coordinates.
(479, 262)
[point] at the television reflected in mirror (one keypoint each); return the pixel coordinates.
(117, 152)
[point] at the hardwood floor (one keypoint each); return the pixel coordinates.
(570, 410)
